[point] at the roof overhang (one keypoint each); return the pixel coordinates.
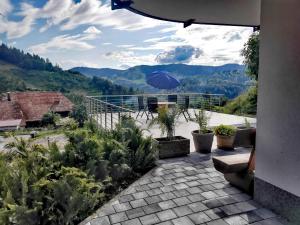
(216, 12)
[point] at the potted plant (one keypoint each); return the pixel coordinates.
(245, 135)
(225, 136)
(171, 145)
(203, 138)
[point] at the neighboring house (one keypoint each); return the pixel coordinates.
(30, 107)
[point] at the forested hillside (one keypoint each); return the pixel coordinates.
(21, 71)
(229, 79)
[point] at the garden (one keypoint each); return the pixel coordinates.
(47, 185)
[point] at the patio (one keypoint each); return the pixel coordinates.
(184, 191)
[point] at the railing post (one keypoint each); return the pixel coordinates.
(105, 117)
(101, 115)
(111, 118)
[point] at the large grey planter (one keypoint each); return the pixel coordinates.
(179, 146)
(203, 142)
(244, 137)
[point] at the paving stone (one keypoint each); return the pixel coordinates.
(155, 191)
(179, 174)
(168, 188)
(209, 195)
(105, 211)
(155, 185)
(180, 180)
(153, 208)
(133, 213)
(122, 207)
(265, 213)
(182, 221)
(208, 187)
(166, 215)
(194, 190)
(195, 198)
(235, 220)
(193, 183)
(227, 200)
(165, 223)
(102, 220)
(168, 182)
(149, 219)
(156, 179)
(118, 217)
(138, 203)
(167, 204)
(126, 198)
(215, 213)
(181, 193)
(230, 209)
(212, 203)
(251, 217)
(140, 195)
(197, 207)
(182, 210)
(181, 201)
(180, 186)
(217, 222)
(199, 218)
(132, 222)
(167, 196)
(245, 206)
(153, 199)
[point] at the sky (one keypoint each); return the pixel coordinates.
(88, 33)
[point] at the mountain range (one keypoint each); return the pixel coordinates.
(230, 79)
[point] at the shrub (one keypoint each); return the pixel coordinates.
(50, 118)
(225, 130)
(79, 114)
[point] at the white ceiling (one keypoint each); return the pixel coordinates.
(224, 12)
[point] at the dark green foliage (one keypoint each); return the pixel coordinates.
(225, 130)
(245, 104)
(21, 71)
(48, 186)
(50, 118)
(26, 60)
(229, 79)
(79, 113)
(251, 55)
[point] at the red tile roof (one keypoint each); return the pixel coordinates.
(31, 106)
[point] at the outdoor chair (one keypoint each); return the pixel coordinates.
(152, 105)
(141, 106)
(184, 108)
(172, 98)
(238, 169)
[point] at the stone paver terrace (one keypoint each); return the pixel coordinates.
(183, 191)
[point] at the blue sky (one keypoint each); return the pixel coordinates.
(88, 33)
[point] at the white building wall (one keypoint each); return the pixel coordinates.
(278, 125)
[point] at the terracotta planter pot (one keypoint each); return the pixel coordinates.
(225, 142)
(245, 137)
(203, 142)
(179, 146)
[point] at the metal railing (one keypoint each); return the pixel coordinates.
(107, 110)
(105, 114)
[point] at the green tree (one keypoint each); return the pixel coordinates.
(79, 114)
(251, 55)
(50, 118)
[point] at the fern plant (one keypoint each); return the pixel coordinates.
(166, 120)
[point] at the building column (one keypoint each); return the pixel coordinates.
(277, 175)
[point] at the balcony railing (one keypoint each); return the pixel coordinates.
(107, 110)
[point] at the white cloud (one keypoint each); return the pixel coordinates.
(5, 7)
(64, 42)
(92, 30)
(130, 58)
